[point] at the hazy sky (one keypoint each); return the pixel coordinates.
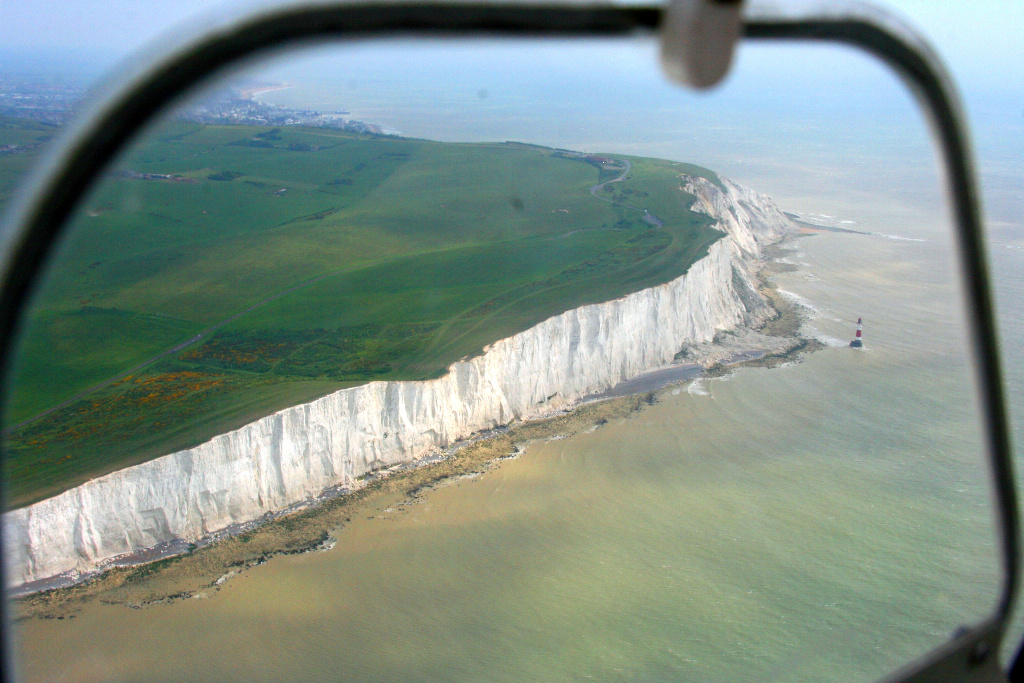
(982, 40)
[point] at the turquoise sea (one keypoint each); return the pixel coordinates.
(828, 519)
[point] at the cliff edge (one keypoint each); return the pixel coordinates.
(297, 453)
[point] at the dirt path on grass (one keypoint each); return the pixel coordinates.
(648, 217)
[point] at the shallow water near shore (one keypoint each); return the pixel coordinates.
(827, 519)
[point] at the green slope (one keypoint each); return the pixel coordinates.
(312, 260)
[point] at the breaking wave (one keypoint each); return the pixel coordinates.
(697, 388)
(798, 300)
(899, 237)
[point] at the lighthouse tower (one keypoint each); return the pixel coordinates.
(858, 342)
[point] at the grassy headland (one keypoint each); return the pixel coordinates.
(298, 261)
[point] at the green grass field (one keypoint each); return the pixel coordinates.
(321, 260)
(14, 166)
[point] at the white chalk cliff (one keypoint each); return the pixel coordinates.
(295, 454)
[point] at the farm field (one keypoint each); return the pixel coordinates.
(220, 273)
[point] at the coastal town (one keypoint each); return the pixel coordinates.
(51, 104)
(232, 106)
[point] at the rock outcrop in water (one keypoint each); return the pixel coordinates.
(297, 453)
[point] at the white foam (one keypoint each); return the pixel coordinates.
(798, 300)
(697, 388)
(826, 339)
(225, 578)
(900, 237)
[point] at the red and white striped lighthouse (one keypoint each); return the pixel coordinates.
(858, 342)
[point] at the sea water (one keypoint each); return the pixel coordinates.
(828, 519)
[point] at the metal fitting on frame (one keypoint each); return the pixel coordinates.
(698, 39)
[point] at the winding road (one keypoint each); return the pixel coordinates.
(648, 217)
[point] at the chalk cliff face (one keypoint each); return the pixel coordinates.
(751, 219)
(295, 454)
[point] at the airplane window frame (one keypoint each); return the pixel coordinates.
(33, 226)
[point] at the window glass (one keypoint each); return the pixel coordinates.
(488, 361)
